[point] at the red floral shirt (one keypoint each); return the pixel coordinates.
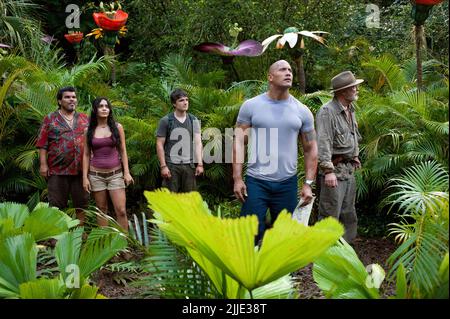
(64, 145)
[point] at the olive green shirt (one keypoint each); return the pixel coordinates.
(335, 134)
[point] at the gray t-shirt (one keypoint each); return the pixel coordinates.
(273, 143)
(178, 148)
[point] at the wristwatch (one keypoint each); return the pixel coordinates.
(309, 182)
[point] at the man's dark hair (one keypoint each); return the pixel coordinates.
(176, 94)
(61, 91)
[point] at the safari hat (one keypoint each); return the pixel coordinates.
(344, 80)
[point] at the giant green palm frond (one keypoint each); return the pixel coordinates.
(67, 250)
(44, 222)
(17, 263)
(17, 212)
(86, 292)
(42, 288)
(229, 243)
(47, 222)
(172, 274)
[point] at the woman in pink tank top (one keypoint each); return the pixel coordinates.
(105, 162)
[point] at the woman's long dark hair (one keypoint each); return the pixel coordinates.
(111, 122)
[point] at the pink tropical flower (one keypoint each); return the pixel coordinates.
(245, 48)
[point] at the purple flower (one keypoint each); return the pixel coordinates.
(245, 48)
(48, 39)
(2, 45)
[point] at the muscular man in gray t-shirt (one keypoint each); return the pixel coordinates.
(275, 126)
(272, 124)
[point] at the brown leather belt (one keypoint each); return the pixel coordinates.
(336, 159)
(101, 174)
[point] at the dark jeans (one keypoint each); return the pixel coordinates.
(59, 188)
(275, 196)
(183, 178)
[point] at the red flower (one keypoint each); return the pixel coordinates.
(74, 37)
(108, 23)
(428, 2)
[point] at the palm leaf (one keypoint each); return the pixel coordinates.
(171, 273)
(17, 263)
(42, 288)
(102, 245)
(340, 274)
(47, 222)
(423, 187)
(86, 292)
(17, 212)
(388, 71)
(67, 250)
(229, 244)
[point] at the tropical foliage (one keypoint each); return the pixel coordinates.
(224, 248)
(192, 251)
(19, 231)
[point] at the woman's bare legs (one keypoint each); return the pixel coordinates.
(101, 200)
(118, 198)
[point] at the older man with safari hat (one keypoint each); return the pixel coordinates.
(338, 150)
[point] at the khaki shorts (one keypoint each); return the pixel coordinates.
(101, 182)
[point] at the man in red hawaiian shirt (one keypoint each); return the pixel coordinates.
(60, 144)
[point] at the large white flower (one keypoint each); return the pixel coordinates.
(291, 35)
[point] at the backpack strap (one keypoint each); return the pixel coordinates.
(171, 119)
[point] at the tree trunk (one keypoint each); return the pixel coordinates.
(418, 32)
(300, 73)
(109, 51)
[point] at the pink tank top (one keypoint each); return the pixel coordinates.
(105, 153)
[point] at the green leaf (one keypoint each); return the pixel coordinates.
(67, 250)
(402, 287)
(340, 274)
(17, 263)
(229, 243)
(102, 244)
(18, 212)
(86, 292)
(42, 288)
(47, 222)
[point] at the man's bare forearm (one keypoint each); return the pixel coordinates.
(238, 158)
(43, 156)
(198, 149)
(310, 152)
(239, 142)
(160, 154)
(311, 163)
